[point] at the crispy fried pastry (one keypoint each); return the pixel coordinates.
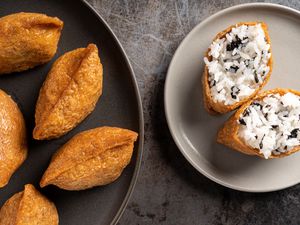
(28, 207)
(27, 40)
(267, 126)
(69, 93)
(13, 148)
(238, 64)
(91, 158)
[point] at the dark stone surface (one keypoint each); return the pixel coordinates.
(169, 190)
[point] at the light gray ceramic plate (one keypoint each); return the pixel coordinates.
(194, 130)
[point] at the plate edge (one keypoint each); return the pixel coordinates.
(141, 119)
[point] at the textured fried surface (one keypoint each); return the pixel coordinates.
(13, 148)
(91, 158)
(27, 40)
(28, 208)
(228, 134)
(8, 215)
(217, 107)
(69, 93)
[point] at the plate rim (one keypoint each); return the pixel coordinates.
(167, 112)
(140, 112)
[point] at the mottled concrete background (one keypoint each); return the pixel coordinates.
(169, 190)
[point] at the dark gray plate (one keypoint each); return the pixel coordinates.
(119, 105)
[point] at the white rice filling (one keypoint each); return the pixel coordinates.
(239, 64)
(272, 125)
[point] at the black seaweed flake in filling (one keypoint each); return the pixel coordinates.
(285, 113)
(212, 83)
(274, 126)
(257, 104)
(266, 116)
(256, 77)
(294, 133)
(234, 92)
(233, 69)
(261, 142)
(247, 62)
(242, 121)
(268, 106)
(234, 44)
(277, 150)
(247, 112)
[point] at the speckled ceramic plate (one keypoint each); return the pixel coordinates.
(194, 130)
(119, 105)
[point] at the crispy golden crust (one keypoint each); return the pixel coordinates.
(13, 148)
(228, 134)
(69, 93)
(215, 108)
(8, 215)
(28, 207)
(27, 40)
(91, 158)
